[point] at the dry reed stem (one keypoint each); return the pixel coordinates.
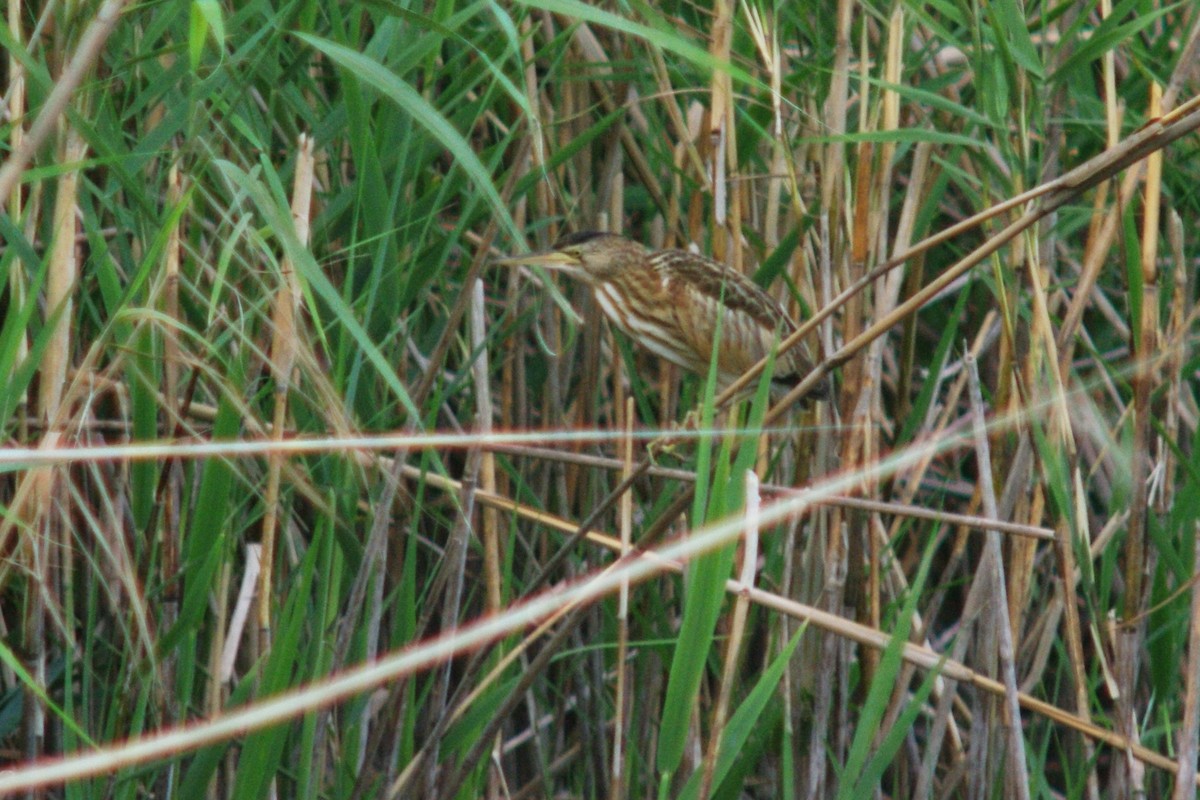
(484, 414)
(830, 658)
(232, 639)
(1189, 729)
(992, 567)
(358, 447)
(173, 363)
(722, 150)
(1129, 639)
(17, 278)
(46, 549)
(619, 776)
(214, 687)
(900, 510)
(283, 362)
(85, 54)
(1060, 433)
(766, 44)
(1175, 345)
(171, 486)
(532, 156)
(1101, 234)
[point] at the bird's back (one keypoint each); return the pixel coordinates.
(701, 292)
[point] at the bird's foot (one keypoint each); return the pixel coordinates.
(668, 443)
(663, 446)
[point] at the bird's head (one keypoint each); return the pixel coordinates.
(589, 255)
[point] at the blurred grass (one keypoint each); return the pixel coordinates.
(444, 134)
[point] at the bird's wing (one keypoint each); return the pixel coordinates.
(751, 321)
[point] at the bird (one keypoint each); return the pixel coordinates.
(672, 301)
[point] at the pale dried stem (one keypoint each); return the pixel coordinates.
(1062, 434)
(832, 178)
(17, 278)
(85, 55)
(992, 571)
(46, 549)
(1189, 730)
(171, 490)
(1129, 640)
(484, 414)
(283, 362)
(722, 150)
(1176, 335)
(767, 44)
(232, 638)
(619, 776)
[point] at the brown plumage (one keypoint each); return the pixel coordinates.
(669, 301)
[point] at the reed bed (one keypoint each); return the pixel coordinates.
(302, 497)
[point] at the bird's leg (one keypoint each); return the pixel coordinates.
(666, 444)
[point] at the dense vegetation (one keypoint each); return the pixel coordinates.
(304, 497)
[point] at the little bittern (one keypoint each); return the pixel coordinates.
(669, 301)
